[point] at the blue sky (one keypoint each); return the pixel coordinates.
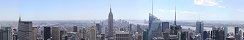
(230, 10)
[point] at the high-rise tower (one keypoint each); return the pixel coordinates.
(110, 24)
(24, 30)
(199, 29)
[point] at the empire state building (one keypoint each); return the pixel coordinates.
(110, 25)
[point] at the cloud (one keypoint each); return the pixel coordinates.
(206, 2)
(221, 6)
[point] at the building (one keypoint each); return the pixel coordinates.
(166, 34)
(185, 35)
(55, 33)
(145, 35)
(47, 33)
(165, 26)
(99, 29)
(237, 30)
(155, 27)
(71, 36)
(130, 32)
(122, 35)
(238, 36)
(24, 30)
(110, 33)
(1, 34)
(14, 34)
(199, 29)
(5, 33)
(75, 29)
(63, 34)
(34, 33)
(218, 33)
(92, 34)
(205, 35)
(138, 29)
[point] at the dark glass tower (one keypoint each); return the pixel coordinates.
(47, 33)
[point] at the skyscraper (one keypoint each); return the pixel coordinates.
(165, 26)
(145, 35)
(47, 33)
(130, 32)
(34, 33)
(55, 33)
(24, 30)
(5, 33)
(218, 33)
(236, 30)
(92, 34)
(99, 29)
(199, 29)
(175, 29)
(138, 29)
(75, 29)
(155, 27)
(110, 25)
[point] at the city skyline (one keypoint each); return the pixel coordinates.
(228, 10)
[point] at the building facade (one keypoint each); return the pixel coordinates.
(24, 30)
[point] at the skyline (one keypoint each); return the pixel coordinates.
(228, 10)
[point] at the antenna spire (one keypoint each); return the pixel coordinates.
(152, 6)
(19, 18)
(110, 7)
(175, 15)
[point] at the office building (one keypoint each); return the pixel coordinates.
(165, 26)
(205, 35)
(34, 33)
(236, 30)
(55, 33)
(218, 33)
(199, 29)
(24, 30)
(5, 33)
(92, 34)
(138, 28)
(145, 35)
(47, 33)
(122, 35)
(110, 33)
(15, 34)
(155, 27)
(99, 29)
(185, 35)
(238, 36)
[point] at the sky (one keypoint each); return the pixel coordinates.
(227, 10)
